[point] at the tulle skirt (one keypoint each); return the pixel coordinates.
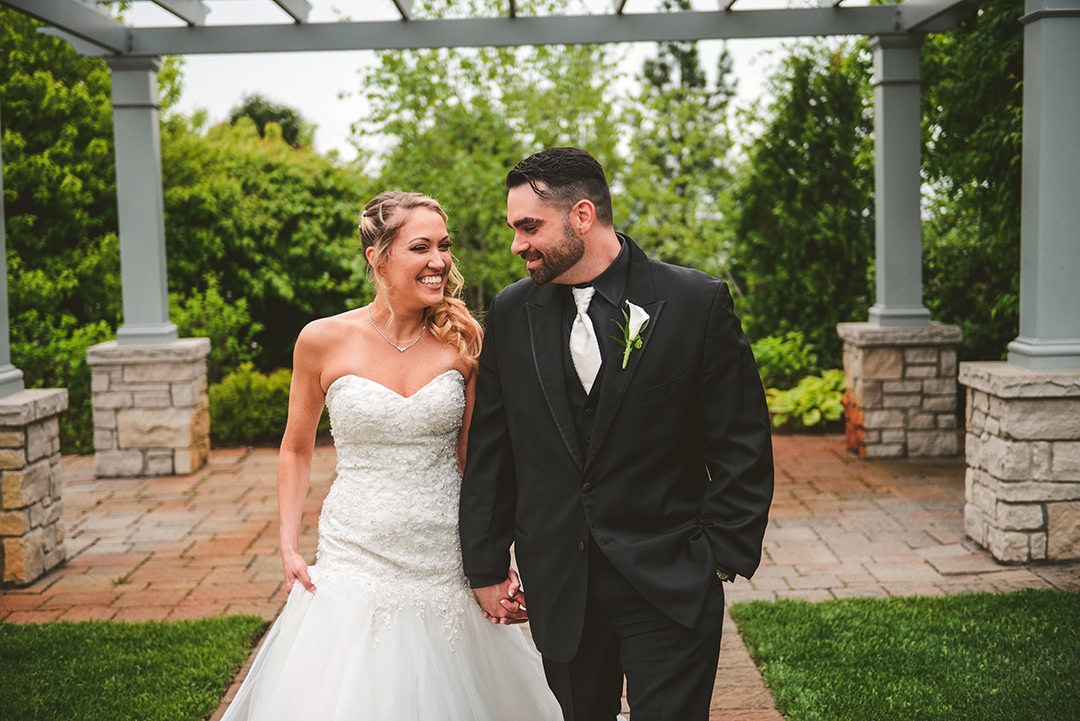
(336, 655)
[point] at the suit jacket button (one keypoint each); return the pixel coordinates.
(581, 545)
(585, 488)
(588, 411)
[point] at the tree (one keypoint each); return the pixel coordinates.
(679, 167)
(59, 176)
(294, 129)
(459, 120)
(265, 221)
(972, 121)
(804, 209)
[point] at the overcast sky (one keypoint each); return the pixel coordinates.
(313, 82)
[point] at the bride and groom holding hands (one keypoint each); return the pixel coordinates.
(609, 423)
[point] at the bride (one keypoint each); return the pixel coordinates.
(384, 625)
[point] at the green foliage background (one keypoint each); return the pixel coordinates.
(266, 221)
(804, 206)
(972, 124)
(261, 111)
(676, 182)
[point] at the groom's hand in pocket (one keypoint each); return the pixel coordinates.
(504, 602)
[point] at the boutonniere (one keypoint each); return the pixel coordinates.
(636, 320)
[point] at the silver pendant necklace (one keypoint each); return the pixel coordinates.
(400, 348)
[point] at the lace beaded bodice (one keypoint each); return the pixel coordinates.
(390, 520)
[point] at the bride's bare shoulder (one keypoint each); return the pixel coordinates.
(328, 331)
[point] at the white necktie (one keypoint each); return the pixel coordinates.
(584, 350)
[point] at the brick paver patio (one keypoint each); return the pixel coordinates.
(206, 544)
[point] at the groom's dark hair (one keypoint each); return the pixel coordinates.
(570, 174)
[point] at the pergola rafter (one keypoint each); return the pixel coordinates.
(405, 8)
(725, 23)
(516, 31)
(84, 21)
(298, 10)
(192, 12)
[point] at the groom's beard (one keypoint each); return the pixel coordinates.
(558, 259)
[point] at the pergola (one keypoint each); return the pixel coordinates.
(898, 332)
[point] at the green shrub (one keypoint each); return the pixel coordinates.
(51, 353)
(227, 325)
(249, 407)
(783, 360)
(813, 402)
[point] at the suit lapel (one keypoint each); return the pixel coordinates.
(616, 382)
(545, 332)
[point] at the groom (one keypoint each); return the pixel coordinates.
(629, 462)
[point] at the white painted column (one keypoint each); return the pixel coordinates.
(899, 368)
(1023, 416)
(11, 378)
(897, 182)
(140, 202)
(1050, 206)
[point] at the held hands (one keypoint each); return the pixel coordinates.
(295, 568)
(504, 602)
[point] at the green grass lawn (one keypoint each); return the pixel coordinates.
(976, 657)
(118, 671)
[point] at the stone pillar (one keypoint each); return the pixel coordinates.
(897, 182)
(900, 395)
(151, 410)
(31, 527)
(140, 202)
(1050, 203)
(1023, 457)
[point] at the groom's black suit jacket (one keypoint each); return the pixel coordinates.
(676, 480)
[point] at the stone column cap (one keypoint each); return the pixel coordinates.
(1004, 380)
(182, 350)
(34, 404)
(871, 334)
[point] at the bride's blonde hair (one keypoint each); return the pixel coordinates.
(449, 321)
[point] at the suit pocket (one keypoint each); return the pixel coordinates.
(665, 389)
(519, 531)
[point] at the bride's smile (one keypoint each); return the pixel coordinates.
(419, 263)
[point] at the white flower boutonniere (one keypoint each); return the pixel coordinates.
(636, 320)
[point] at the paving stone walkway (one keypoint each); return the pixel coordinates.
(205, 544)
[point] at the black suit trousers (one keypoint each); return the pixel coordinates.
(670, 669)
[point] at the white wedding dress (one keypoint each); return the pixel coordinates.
(392, 631)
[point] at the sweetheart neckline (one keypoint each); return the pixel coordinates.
(391, 390)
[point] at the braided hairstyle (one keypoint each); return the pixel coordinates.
(449, 321)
